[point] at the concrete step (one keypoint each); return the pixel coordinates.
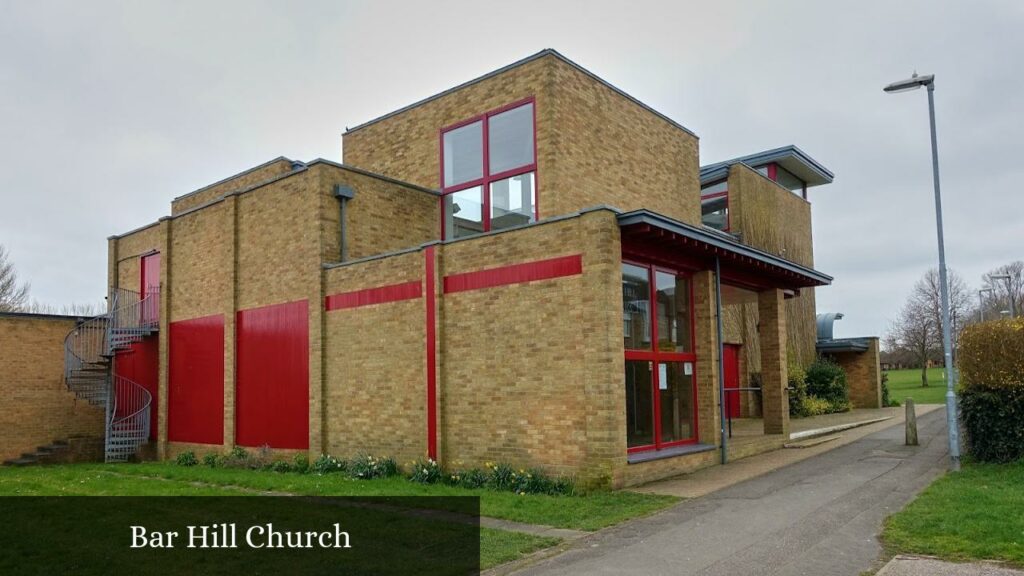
(21, 462)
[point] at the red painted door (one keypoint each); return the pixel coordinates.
(195, 391)
(149, 288)
(140, 364)
(272, 376)
(731, 365)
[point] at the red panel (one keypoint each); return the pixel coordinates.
(381, 295)
(515, 274)
(149, 284)
(272, 386)
(140, 364)
(431, 361)
(731, 365)
(195, 394)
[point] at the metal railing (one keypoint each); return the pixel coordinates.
(88, 368)
(128, 420)
(733, 400)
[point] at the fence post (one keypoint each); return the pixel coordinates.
(911, 423)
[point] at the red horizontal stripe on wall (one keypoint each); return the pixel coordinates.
(515, 274)
(392, 293)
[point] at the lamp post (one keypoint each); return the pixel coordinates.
(1009, 290)
(913, 83)
(981, 303)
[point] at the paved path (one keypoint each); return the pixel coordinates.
(817, 517)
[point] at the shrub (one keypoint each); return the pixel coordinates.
(326, 464)
(992, 389)
(827, 381)
(472, 478)
(501, 477)
(364, 467)
(993, 418)
(211, 460)
(187, 458)
(300, 463)
(425, 471)
(281, 466)
(992, 354)
(814, 406)
(886, 400)
(797, 389)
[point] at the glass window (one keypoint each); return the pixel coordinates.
(512, 201)
(636, 307)
(715, 188)
(787, 180)
(463, 154)
(510, 139)
(673, 296)
(675, 387)
(714, 212)
(639, 404)
(463, 213)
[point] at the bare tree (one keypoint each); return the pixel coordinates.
(1002, 292)
(918, 328)
(74, 309)
(13, 296)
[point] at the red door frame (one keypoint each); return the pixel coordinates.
(149, 277)
(731, 370)
(656, 356)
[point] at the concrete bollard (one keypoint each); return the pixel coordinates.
(911, 423)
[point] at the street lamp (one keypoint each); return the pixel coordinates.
(1009, 290)
(981, 303)
(913, 83)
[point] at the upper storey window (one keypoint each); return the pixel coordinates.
(714, 205)
(489, 169)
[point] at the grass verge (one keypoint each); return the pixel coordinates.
(496, 546)
(905, 384)
(971, 515)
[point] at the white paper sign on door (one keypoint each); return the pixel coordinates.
(663, 376)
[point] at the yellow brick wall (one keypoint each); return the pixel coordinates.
(241, 181)
(129, 249)
(863, 375)
(374, 364)
(773, 219)
(37, 407)
(594, 146)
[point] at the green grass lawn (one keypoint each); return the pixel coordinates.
(975, 514)
(905, 384)
(591, 511)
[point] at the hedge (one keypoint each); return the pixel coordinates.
(992, 389)
(992, 354)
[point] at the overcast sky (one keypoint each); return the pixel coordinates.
(108, 110)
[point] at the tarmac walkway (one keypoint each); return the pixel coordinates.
(817, 512)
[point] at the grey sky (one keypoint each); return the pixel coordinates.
(108, 110)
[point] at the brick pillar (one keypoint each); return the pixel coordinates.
(603, 357)
(230, 316)
(774, 378)
(163, 336)
(705, 328)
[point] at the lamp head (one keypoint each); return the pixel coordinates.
(912, 83)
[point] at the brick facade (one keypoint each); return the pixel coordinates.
(519, 333)
(38, 407)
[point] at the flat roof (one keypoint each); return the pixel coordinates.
(516, 64)
(789, 157)
(719, 243)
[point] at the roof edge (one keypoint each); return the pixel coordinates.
(516, 64)
(232, 177)
(655, 219)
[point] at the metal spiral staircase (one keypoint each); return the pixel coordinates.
(89, 352)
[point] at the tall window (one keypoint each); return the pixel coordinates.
(660, 360)
(489, 167)
(714, 205)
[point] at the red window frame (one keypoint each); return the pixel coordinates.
(485, 182)
(656, 356)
